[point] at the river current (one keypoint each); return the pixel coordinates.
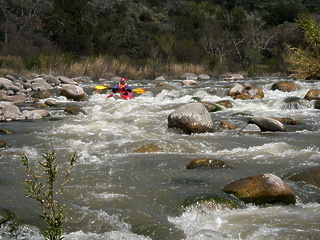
(116, 193)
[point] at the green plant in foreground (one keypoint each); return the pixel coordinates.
(41, 186)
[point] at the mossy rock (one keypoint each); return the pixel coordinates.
(5, 215)
(5, 131)
(149, 148)
(208, 163)
(74, 110)
(211, 107)
(225, 103)
(209, 203)
(2, 143)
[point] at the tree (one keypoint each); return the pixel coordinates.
(305, 62)
(67, 24)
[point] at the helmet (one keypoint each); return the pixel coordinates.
(123, 79)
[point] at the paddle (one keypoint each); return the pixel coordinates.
(137, 90)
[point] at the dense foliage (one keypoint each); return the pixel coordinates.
(237, 35)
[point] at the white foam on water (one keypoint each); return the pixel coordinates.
(252, 223)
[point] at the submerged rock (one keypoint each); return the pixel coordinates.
(310, 176)
(191, 118)
(5, 215)
(149, 148)
(288, 121)
(211, 107)
(208, 203)
(261, 189)
(226, 125)
(207, 162)
(2, 143)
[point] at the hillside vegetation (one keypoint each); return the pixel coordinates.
(145, 39)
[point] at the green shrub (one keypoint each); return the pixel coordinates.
(41, 186)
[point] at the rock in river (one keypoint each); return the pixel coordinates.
(261, 189)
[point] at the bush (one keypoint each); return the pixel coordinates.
(41, 187)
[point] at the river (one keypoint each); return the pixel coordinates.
(116, 193)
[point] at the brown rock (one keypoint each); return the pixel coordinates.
(317, 104)
(288, 121)
(312, 94)
(2, 143)
(74, 110)
(245, 91)
(149, 148)
(42, 94)
(225, 103)
(210, 163)
(284, 86)
(261, 189)
(226, 125)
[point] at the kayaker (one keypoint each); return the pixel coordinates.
(122, 87)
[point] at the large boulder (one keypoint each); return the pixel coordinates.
(310, 176)
(312, 94)
(5, 83)
(284, 86)
(268, 124)
(191, 118)
(261, 189)
(72, 92)
(10, 112)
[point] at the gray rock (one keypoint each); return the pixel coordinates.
(188, 76)
(39, 84)
(268, 124)
(9, 112)
(5, 83)
(250, 129)
(72, 92)
(191, 118)
(65, 80)
(203, 77)
(160, 78)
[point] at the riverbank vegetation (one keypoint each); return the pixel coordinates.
(43, 186)
(144, 39)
